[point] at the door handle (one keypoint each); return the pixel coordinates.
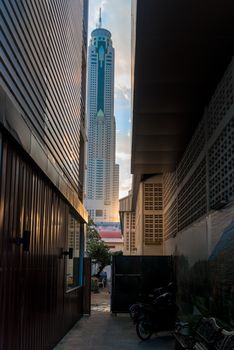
(69, 253)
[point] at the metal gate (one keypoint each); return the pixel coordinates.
(137, 275)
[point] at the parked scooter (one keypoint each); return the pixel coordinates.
(160, 316)
(137, 309)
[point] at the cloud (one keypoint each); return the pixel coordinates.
(125, 181)
(125, 187)
(94, 6)
(123, 93)
(123, 143)
(123, 156)
(116, 17)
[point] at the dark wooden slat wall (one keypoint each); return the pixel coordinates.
(35, 310)
(42, 46)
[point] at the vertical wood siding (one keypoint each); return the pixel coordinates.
(35, 309)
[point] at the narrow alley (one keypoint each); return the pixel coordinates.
(104, 331)
(117, 169)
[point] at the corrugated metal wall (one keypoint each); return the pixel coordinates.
(35, 309)
(43, 72)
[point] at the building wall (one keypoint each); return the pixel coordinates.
(129, 234)
(42, 136)
(128, 224)
(199, 210)
(114, 246)
(139, 221)
(204, 180)
(115, 206)
(43, 74)
(205, 273)
(148, 233)
(37, 305)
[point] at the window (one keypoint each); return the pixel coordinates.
(99, 212)
(73, 264)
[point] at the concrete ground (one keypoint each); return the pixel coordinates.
(104, 331)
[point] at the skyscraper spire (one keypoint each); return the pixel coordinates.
(100, 17)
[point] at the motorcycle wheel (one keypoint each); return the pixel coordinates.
(144, 329)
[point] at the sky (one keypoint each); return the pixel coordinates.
(116, 17)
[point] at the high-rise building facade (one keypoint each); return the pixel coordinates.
(102, 172)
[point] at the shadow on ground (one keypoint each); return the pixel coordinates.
(104, 331)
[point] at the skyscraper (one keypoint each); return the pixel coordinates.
(102, 173)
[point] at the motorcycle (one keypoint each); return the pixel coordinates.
(137, 309)
(160, 316)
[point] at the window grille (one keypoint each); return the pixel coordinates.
(153, 196)
(218, 170)
(192, 152)
(169, 187)
(153, 228)
(192, 197)
(170, 221)
(222, 100)
(221, 166)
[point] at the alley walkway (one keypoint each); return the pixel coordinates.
(103, 331)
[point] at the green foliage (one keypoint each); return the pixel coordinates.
(119, 252)
(98, 251)
(96, 248)
(92, 232)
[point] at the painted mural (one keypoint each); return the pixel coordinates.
(207, 286)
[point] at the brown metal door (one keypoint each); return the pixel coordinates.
(11, 276)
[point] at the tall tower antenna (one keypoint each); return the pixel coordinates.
(100, 18)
